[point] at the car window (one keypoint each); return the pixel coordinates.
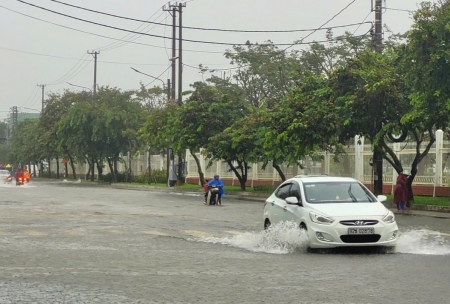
(283, 191)
(4, 172)
(337, 192)
(295, 191)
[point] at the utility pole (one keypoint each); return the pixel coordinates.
(173, 11)
(169, 91)
(42, 87)
(95, 53)
(377, 163)
(15, 114)
(180, 53)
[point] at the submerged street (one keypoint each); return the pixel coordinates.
(67, 243)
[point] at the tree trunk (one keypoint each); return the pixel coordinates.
(241, 177)
(149, 168)
(72, 165)
(111, 168)
(100, 170)
(66, 170)
(57, 168)
(280, 172)
(41, 170)
(89, 168)
(201, 175)
(115, 170)
(92, 169)
(129, 167)
(49, 168)
(180, 177)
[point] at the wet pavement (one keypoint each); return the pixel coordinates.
(61, 243)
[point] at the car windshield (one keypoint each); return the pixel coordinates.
(337, 192)
(2, 172)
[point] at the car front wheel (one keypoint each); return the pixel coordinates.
(266, 224)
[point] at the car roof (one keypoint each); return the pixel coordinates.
(322, 178)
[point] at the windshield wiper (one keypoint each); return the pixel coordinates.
(351, 194)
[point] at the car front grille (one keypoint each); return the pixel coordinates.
(359, 223)
(370, 238)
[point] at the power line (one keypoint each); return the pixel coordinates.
(74, 73)
(103, 36)
(116, 44)
(398, 9)
(321, 27)
(201, 28)
(101, 61)
(156, 78)
(159, 36)
(35, 91)
(362, 21)
(76, 64)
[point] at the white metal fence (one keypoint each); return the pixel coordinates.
(433, 170)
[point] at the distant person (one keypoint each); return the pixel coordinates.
(19, 174)
(26, 175)
(217, 182)
(401, 192)
(205, 189)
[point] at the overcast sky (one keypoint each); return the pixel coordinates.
(20, 72)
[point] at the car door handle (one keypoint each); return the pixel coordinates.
(285, 208)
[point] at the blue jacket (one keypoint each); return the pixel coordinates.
(219, 183)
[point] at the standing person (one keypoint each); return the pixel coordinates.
(218, 183)
(205, 189)
(401, 192)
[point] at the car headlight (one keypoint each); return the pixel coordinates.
(320, 219)
(389, 217)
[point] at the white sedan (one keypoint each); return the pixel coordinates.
(333, 211)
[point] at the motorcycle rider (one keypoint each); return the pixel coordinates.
(217, 182)
(19, 174)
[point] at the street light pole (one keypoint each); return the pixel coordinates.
(169, 91)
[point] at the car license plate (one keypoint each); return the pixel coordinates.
(361, 230)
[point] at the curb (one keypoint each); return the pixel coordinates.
(442, 212)
(245, 197)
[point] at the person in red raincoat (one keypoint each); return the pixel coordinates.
(19, 174)
(401, 192)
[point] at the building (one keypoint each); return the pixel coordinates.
(21, 116)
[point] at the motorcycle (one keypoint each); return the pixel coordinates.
(19, 181)
(213, 196)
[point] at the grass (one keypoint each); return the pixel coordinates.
(427, 200)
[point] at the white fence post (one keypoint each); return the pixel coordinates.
(438, 169)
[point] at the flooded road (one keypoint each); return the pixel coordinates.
(64, 243)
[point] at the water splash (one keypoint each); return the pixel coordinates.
(281, 238)
(424, 241)
(286, 237)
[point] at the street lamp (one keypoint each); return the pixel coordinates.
(137, 71)
(79, 86)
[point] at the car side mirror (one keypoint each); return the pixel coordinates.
(292, 200)
(382, 198)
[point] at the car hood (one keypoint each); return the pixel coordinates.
(350, 209)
